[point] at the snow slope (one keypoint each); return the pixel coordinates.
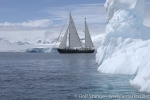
(23, 46)
(124, 50)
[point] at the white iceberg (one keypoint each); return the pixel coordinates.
(125, 48)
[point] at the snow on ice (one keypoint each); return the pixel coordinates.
(125, 48)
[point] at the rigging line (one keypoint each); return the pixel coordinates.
(61, 31)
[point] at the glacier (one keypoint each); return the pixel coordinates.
(126, 44)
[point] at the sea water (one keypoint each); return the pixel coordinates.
(54, 76)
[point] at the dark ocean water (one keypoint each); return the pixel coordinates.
(53, 76)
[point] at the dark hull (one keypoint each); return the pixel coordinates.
(75, 51)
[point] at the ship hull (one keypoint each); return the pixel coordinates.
(75, 51)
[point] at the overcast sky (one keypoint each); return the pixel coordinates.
(27, 17)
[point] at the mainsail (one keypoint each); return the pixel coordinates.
(74, 40)
(88, 40)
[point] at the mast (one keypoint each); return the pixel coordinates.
(69, 30)
(85, 31)
(69, 40)
(88, 40)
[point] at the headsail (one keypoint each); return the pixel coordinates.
(74, 40)
(64, 41)
(88, 40)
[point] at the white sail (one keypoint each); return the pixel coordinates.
(64, 41)
(74, 40)
(88, 40)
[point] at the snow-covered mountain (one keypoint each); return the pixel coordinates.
(125, 48)
(25, 46)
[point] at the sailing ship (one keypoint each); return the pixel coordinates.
(71, 42)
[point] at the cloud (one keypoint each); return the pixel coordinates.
(30, 23)
(33, 29)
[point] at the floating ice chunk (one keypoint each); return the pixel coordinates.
(42, 50)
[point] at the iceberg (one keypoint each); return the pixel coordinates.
(125, 47)
(41, 50)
